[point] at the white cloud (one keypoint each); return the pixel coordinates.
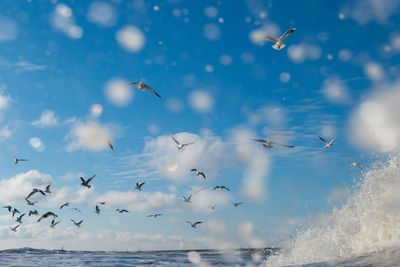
(36, 144)
(257, 36)
(131, 39)
(62, 19)
(211, 11)
(90, 135)
(374, 71)
(118, 92)
(376, 122)
(212, 31)
(24, 65)
(47, 119)
(5, 133)
(201, 101)
(71, 176)
(215, 226)
(4, 101)
(246, 231)
(335, 90)
(102, 13)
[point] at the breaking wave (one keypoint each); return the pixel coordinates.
(367, 223)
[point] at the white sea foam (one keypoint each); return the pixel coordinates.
(368, 222)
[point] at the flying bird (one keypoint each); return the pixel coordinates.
(221, 187)
(47, 189)
(14, 228)
(15, 211)
(97, 210)
(355, 164)
(64, 205)
(201, 189)
(213, 207)
(35, 212)
(328, 144)
(139, 186)
(77, 223)
(236, 204)
(86, 183)
(8, 207)
(34, 191)
(46, 215)
(188, 199)
(102, 202)
(180, 146)
(269, 143)
(198, 173)
(154, 215)
(19, 219)
(53, 224)
(30, 203)
(279, 41)
(141, 86)
(18, 160)
(193, 224)
(122, 210)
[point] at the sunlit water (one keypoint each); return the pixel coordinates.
(364, 231)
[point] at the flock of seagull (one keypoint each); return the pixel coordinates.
(279, 44)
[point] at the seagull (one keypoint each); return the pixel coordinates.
(213, 207)
(269, 143)
(355, 164)
(35, 212)
(86, 183)
(102, 202)
(76, 209)
(47, 189)
(15, 211)
(236, 204)
(19, 219)
(110, 145)
(97, 210)
(8, 207)
(46, 215)
(34, 191)
(279, 41)
(77, 223)
(30, 203)
(53, 224)
(14, 228)
(122, 211)
(154, 215)
(64, 205)
(328, 144)
(221, 187)
(18, 160)
(188, 199)
(180, 146)
(141, 86)
(193, 224)
(198, 173)
(139, 186)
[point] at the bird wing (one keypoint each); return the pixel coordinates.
(151, 90)
(151, 215)
(41, 217)
(48, 188)
(189, 198)
(83, 180)
(193, 170)
(271, 38)
(287, 33)
(124, 210)
(189, 144)
(323, 140)
(30, 194)
(281, 144)
(176, 141)
(196, 223)
(16, 226)
(239, 203)
(333, 140)
(110, 145)
(225, 188)
(216, 187)
(202, 174)
(259, 140)
(73, 221)
(133, 83)
(140, 185)
(91, 178)
(41, 192)
(80, 222)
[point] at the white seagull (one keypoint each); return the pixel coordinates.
(279, 41)
(97, 210)
(180, 146)
(64, 205)
(46, 215)
(30, 203)
(328, 144)
(355, 164)
(193, 224)
(53, 224)
(86, 183)
(19, 219)
(14, 228)
(154, 215)
(269, 143)
(18, 160)
(77, 223)
(139, 186)
(188, 199)
(47, 189)
(141, 86)
(34, 191)
(198, 173)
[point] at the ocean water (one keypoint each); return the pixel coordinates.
(43, 257)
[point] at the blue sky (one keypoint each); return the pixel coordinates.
(220, 85)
